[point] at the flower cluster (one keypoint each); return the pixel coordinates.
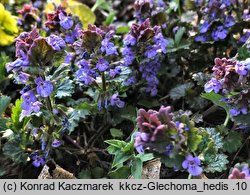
(231, 76)
(144, 44)
(25, 44)
(34, 55)
(96, 56)
(64, 25)
(237, 174)
(154, 9)
(159, 133)
(156, 127)
(217, 19)
(29, 17)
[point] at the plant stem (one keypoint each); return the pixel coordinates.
(227, 120)
(104, 88)
(189, 176)
(49, 104)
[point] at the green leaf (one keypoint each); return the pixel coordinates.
(178, 35)
(136, 168)
(110, 18)
(194, 139)
(3, 124)
(217, 164)
(15, 115)
(216, 99)
(176, 161)
(243, 53)
(145, 157)
(60, 71)
(222, 129)
(122, 29)
(120, 173)
(85, 174)
(179, 91)
(216, 137)
(15, 153)
(84, 13)
(116, 133)
(4, 102)
(120, 158)
(3, 60)
(75, 115)
(65, 88)
(103, 4)
(232, 142)
(128, 113)
(242, 119)
(97, 172)
(128, 148)
(41, 52)
(113, 150)
(116, 143)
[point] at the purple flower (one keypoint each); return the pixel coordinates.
(129, 40)
(246, 15)
(114, 72)
(243, 110)
(19, 62)
(204, 27)
(102, 65)
(234, 112)
(22, 77)
(70, 37)
(192, 165)
(84, 77)
(140, 137)
(44, 88)
(129, 56)
(115, 101)
(43, 145)
(151, 52)
(244, 37)
(169, 149)
(139, 149)
(108, 47)
(229, 21)
(201, 38)
(130, 81)
(56, 42)
(56, 143)
(37, 160)
(247, 63)
(240, 68)
(219, 33)
(213, 85)
(65, 21)
(55, 111)
(29, 104)
(36, 106)
(246, 171)
(69, 58)
(161, 42)
(175, 29)
(152, 90)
